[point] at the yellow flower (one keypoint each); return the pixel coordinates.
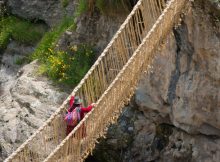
(50, 50)
(74, 48)
(64, 66)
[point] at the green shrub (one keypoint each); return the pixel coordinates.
(105, 6)
(82, 8)
(20, 61)
(19, 30)
(68, 68)
(60, 66)
(100, 4)
(50, 39)
(64, 3)
(4, 39)
(26, 32)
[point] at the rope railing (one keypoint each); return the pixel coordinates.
(96, 81)
(76, 147)
(110, 82)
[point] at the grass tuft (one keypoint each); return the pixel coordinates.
(50, 39)
(81, 8)
(65, 3)
(20, 30)
(69, 68)
(63, 67)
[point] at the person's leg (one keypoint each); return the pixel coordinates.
(69, 129)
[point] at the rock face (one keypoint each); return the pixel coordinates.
(185, 83)
(26, 99)
(174, 115)
(179, 99)
(137, 139)
(48, 11)
(95, 30)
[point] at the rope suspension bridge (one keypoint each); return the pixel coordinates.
(109, 83)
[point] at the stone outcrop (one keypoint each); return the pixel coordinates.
(95, 30)
(174, 115)
(26, 99)
(140, 138)
(185, 83)
(50, 12)
(179, 99)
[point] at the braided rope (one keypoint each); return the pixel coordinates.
(137, 63)
(122, 61)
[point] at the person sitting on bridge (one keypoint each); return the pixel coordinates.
(76, 113)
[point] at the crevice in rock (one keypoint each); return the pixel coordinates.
(197, 134)
(176, 73)
(28, 122)
(211, 137)
(26, 105)
(161, 139)
(183, 47)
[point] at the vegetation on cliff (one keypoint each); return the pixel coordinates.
(65, 67)
(62, 66)
(104, 6)
(20, 30)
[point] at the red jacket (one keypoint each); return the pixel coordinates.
(71, 101)
(83, 111)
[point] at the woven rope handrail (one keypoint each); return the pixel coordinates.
(76, 148)
(116, 70)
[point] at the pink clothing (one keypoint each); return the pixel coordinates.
(83, 111)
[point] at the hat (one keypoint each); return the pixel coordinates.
(77, 100)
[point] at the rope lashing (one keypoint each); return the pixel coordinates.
(110, 83)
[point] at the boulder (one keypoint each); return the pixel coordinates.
(27, 99)
(50, 12)
(185, 80)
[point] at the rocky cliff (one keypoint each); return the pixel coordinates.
(26, 99)
(174, 114)
(50, 12)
